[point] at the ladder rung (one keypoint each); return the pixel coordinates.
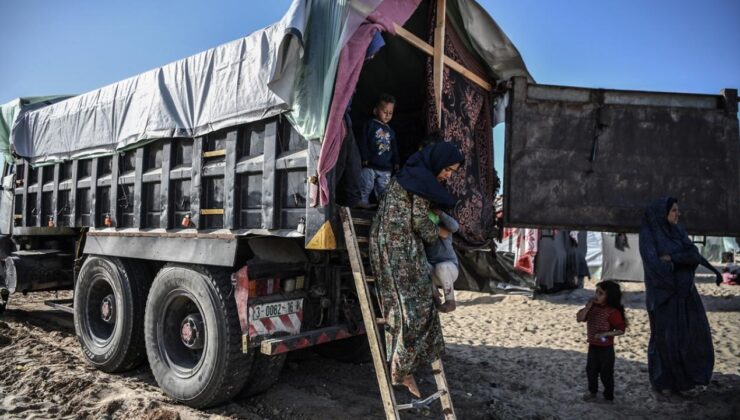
(380, 321)
(369, 279)
(362, 222)
(214, 153)
(422, 403)
(362, 239)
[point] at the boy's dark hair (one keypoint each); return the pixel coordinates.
(613, 296)
(385, 98)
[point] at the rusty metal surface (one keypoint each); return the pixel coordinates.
(188, 250)
(593, 159)
(273, 346)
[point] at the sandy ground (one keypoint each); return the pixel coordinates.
(507, 357)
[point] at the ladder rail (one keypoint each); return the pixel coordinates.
(445, 398)
(390, 407)
(368, 316)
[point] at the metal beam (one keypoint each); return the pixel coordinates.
(230, 190)
(189, 250)
(113, 209)
(73, 194)
(55, 194)
(94, 192)
(270, 197)
(195, 169)
(139, 207)
(164, 186)
(24, 211)
(39, 194)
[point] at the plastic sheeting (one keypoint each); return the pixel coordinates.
(490, 271)
(623, 264)
(331, 24)
(594, 254)
(10, 111)
(487, 39)
(715, 246)
(286, 67)
(218, 88)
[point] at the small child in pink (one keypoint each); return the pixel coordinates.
(605, 319)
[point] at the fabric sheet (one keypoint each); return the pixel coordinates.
(524, 245)
(550, 264)
(466, 122)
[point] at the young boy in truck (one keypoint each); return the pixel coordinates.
(378, 150)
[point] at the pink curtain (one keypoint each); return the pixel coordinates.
(351, 59)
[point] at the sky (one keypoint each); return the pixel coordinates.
(74, 46)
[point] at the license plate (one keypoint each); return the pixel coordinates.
(270, 310)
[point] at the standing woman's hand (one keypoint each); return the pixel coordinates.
(444, 233)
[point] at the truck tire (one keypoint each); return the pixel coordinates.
(349, 350)
(109, 300)
(264, 374)
(193, 337)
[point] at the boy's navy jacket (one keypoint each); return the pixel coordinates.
(377, 146)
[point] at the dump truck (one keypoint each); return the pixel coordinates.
(192, 209)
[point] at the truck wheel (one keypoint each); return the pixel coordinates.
(264, 374)
(349, 350)
(193, 337)
(109, 303)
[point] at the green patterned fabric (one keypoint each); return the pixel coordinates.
(413, 331)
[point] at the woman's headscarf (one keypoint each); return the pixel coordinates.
(419, 175)
(666, 235)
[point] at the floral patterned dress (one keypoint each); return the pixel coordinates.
(413, 331)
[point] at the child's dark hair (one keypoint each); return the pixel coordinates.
(613, 296)
(385, 98)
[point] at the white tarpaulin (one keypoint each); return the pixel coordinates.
(622, 259)
(222, 87)
(594, 254)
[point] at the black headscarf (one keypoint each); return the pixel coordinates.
(656, 217)
(419, 175)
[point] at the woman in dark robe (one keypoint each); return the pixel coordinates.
(680, 350)
(397, 236)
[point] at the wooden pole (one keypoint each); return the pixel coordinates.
(429, 50)
(438, 58)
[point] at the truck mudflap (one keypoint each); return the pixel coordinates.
(273, 346)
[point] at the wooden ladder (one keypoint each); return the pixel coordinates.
(382, 369)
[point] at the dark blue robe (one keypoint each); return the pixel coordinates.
(680, 350)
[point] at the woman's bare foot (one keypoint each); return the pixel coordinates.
(448, 306)
(410, 383)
